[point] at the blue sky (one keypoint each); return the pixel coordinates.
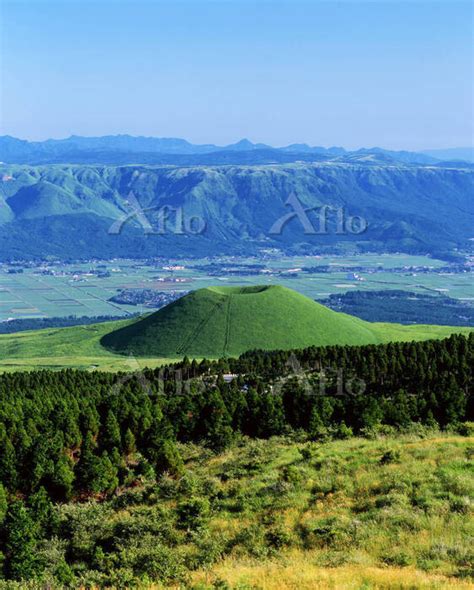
(393, 74)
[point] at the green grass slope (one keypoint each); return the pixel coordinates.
(206, 323)
(220, 321)
(77, 347)
(345, 516)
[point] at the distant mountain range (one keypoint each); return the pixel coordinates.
(78, 211)
(123, 149)
(459, 154)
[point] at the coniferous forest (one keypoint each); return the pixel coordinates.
(73, 439)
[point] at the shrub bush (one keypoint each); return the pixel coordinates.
(147, 557)
(291, 474)
(251, 541)
(466, 429)
(397, 559)
(192, 514)
(278, 537)
(325, 532)
(390, 456)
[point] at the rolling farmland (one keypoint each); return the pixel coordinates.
(84, 289)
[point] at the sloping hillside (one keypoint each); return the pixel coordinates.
(406, 208)
(220, 321)
(142, 340)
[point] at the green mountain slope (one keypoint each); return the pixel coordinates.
(77, 347)
(407, 208)
(81, 347)
(220, 321)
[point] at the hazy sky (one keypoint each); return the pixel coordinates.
(392, 74)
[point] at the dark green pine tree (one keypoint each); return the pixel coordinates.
(215, 421)
(3, 504)
(168, 458)
(42, 512)
(452, 403)
(88, 467)
(111, 438)
(107, 476)
(8, 464)
(129, 442)
(62, 480)
(399, 409)
(20, 545)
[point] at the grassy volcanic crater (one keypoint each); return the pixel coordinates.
(220, 321)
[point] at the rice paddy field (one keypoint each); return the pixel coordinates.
(61, 290)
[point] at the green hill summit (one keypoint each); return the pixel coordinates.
(220, 321)
(212, 323)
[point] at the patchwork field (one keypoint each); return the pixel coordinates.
(73, 290)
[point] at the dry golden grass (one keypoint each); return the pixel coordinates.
(295, 569)
(296, 572)
(346, 521)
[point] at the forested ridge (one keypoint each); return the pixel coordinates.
(403, 307)
(74, 435)
(67, 211)
(67, 430)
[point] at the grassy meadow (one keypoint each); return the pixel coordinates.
(392, 513)
(389, 513)
(79, 347)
